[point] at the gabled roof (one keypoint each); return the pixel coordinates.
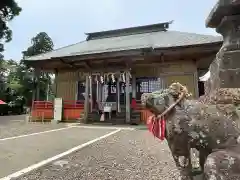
(152, 36)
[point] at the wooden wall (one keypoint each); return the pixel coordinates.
(181, 71)
(184, 72)
(66, 84)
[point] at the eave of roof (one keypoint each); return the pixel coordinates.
(153, 40)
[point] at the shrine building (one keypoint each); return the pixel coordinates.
(110, 68)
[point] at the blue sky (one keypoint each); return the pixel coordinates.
(66, 21)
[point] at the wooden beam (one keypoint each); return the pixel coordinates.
(87, 65)
(68, 63)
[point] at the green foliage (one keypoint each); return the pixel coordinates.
(8, 10)
(17, 80)
(41, 43)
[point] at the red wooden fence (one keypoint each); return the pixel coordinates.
(44, 110)
(72, 109)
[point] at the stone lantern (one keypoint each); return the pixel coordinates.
(225, 69)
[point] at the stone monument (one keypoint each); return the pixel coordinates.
(225, 69)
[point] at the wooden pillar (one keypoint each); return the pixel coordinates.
(56, 82)
(34, 87)
(196, 84)
(86, 102)
(100, 88)
(97, 93)
(91, 92)
(127, 95)
(118, 95)
(37, 84)
(100, 92)
(134, 88)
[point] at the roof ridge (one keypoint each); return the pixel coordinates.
(129, 30)
(126, 28)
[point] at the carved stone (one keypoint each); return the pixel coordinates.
(221, 9)
(225, 69)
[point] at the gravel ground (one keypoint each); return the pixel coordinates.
(126, 155)
(19, 128)
(17, 154)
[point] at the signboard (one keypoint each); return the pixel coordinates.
(107, 109)
(58, 107)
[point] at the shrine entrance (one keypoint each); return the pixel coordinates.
(111, 91)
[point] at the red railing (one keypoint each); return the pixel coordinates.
(72, 109)
(44, 110)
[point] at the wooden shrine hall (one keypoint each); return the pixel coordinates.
(111, 69)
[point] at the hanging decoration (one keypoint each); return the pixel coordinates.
(123, 77)
(113, 78)
(130, 75)
(102, 79)
(106, 77)
(96, 78)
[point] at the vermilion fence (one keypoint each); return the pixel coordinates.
(72, 110)
(44, 110)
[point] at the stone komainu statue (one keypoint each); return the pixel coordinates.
(212, 129)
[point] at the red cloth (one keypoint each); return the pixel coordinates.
(157, 127)
(133, 103)
(2, 102)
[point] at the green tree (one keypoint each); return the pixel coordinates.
(8, 10)
(41, 43)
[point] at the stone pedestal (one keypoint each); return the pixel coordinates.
(225, 69)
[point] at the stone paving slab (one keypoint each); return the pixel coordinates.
(17, 154)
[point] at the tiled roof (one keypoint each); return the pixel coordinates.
(155, 39)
